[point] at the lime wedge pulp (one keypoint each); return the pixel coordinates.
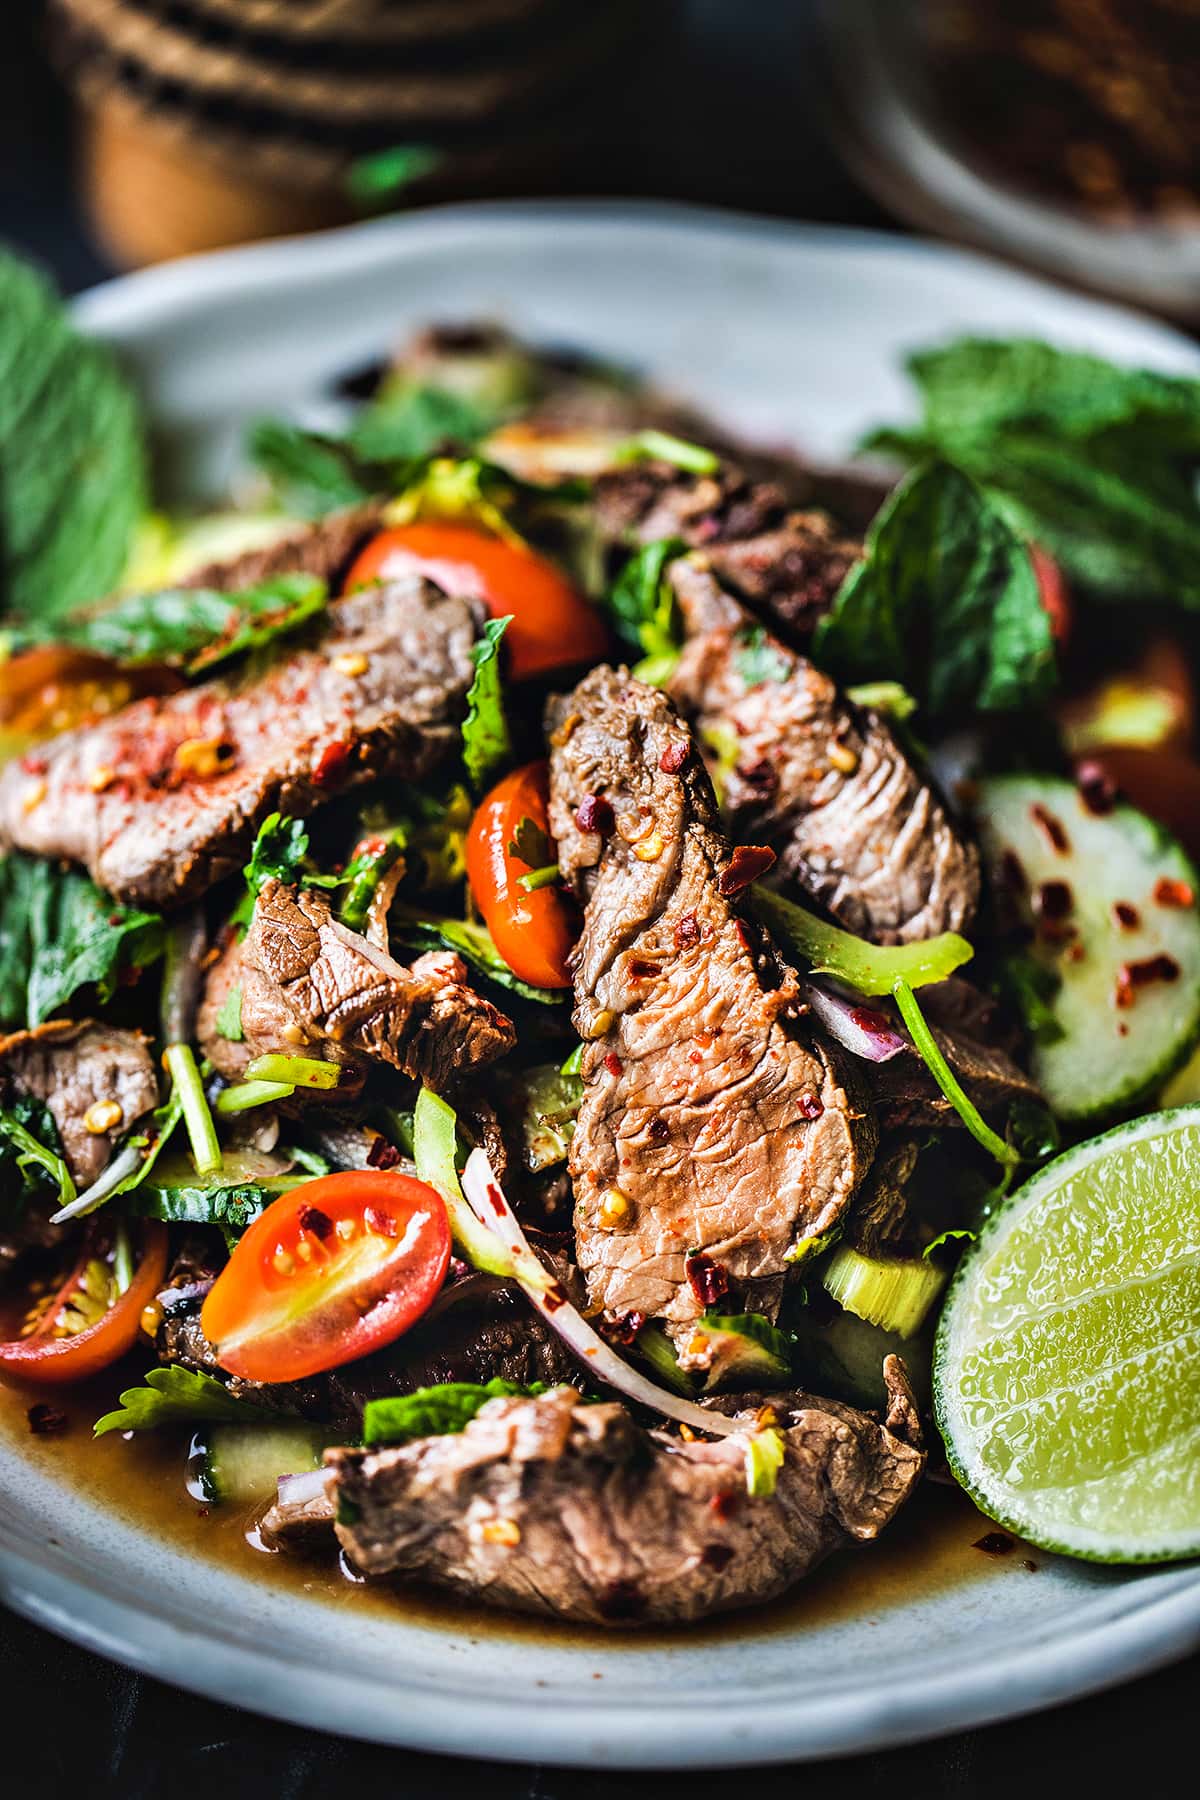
(1067, 1367)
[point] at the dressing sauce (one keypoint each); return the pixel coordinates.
(931, 1546)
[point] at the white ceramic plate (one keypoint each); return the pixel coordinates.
(791, 333)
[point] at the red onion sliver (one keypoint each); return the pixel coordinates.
(857, 1028)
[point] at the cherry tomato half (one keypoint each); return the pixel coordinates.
(534, 932)
(54, 1350)
(331, 1270)
(552, 624)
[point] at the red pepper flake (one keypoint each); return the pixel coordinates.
(673, 758)
(33, 764)
(554, 1297)
(641, 968)
(811, 1107)
(624, 1330)
(995, 1543)
(1131, 976)
(725, 1504)
(687, 932)
(747, 863)
(595, 813)
(658, 1131)
(1054, 900)
(1052, 828)
(1027, 1562)
(495, 1199)
(1168, 892)
(706, 1278)
(319, 1223)
(1075, 953)
(868, 1020)
(382, 1223)
(382, 1155)
(612, 1063)
(1096, 787)
(1012, 873)
(331, 765)
(46, 1420)
(1122, 1028)
(1125, 916)
(760, 775)
(717, 1556)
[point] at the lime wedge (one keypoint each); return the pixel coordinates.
(1067, 1366)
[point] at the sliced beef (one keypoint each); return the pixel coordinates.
(878, 1222)
(972, 1038)
(553, 1506)
(163, 798)
(824, 784)
(715, 1128)
(784, 564)
(80, 1073)
(478, 1328)
(324, 549)
(312, 987)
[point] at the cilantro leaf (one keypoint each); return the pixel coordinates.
(761, 660)
(59, 933)
(486, 744)
(642, 605)
(530, 845)
(72, 462)
(434, 1411)
(945, 601)
(178, 1396)
(30, 1148)
(196, 628)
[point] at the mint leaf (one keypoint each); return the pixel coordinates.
(59, 933)
(945, 601)
(434, 1411)
(761, 659)
(641, 602)
(72, 464)
(1094, 462)
(196, 628)
(486, 744)
(176, 1396)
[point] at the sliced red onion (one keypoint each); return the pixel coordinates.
(492, 1209)
(857, 1028)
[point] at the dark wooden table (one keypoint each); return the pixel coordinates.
(726, 117)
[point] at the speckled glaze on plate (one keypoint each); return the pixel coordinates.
(792, 334)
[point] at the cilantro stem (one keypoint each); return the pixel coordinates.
(539, 878)
(245, 1094)
(202, 1133)
(926, 1046)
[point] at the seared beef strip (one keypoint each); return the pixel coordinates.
(785, 565)
(312, 987)
(712, 1121)
(478, 1328)
(878, 1223)
(80, 1072)
(324, 549)
(825, 785)
(162, 799)
(553, 1506)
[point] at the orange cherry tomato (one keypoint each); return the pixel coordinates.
(53, 688)
(332, 1270)
(1055, 595)
(534, 932)
(53, 1351)
(552, 624)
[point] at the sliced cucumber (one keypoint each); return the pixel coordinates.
(241, 1464)
(1111, 898)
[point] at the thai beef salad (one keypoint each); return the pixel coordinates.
(535, 941)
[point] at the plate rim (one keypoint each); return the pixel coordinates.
(1104, 1640)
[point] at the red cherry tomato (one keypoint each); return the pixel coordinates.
(534, 932)
(53, 1351)
(331, 1270)
(552, 625)
(1055, 595)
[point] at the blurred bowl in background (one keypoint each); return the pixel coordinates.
(1062, 133)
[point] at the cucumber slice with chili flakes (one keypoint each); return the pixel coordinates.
(1110, 900)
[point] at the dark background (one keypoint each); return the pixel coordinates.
(726, 111)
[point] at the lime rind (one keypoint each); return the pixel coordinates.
(1093, 1266)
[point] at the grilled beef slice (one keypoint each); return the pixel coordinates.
(312, 987)
(552, 1506)
(163, 798)
(70, 1068)
(712, 1120)
(785, 565)
(324, 549)
(823, 784)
